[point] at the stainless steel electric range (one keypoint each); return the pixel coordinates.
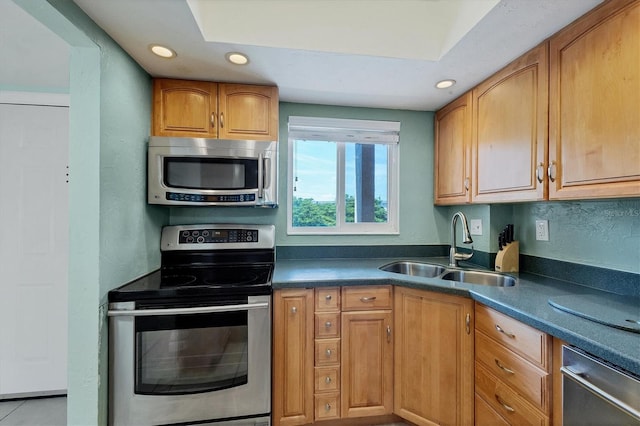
(191, 343)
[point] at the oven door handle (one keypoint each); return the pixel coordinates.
(187, 311)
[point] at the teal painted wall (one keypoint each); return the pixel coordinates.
(419, 223)
(109, 126)
(604, 233)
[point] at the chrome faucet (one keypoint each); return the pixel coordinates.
(454, 257)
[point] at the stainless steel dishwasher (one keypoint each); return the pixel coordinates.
(596, 393)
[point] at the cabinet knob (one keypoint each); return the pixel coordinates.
(327, 407)
(328, 297)
(294, 310)
(466, 184)
(213, 119)
(327, 324)
(328, 353)
(327, 380)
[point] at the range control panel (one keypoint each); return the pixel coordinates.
(206, 236)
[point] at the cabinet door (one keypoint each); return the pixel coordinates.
(433, 372)
(453, 152)
(509, 142)
(367, 363)
(184, 108)
(293, 357)
(594, 127)
(248, 112)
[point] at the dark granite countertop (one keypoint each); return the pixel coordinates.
(527, 301)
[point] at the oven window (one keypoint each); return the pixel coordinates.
(185, 354)
(210, 173)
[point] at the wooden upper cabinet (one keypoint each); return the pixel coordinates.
(202, 109)
(248, 112)
(453, 152)
(185, 108)
(509, 131)
(594, 124)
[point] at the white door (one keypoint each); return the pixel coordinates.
(34, 251)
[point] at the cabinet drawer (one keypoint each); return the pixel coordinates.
(366, 298)
(327, 352)
(486, 416)
(327, 299)
(533, 345)
(327, 406)
(508, 404)
(327, 325)
(327, 379)
(526, 379)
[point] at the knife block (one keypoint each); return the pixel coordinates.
(508, 259)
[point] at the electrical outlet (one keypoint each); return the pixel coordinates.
(542, 230)
(475, 226)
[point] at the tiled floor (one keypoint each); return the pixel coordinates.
(34, 412)
(44, 412)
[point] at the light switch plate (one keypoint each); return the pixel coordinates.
(475, 226)
(542, 230)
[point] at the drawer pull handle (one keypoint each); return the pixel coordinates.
(509, 335)
(328, 297)
(327, 407)
(294, 310)
(367, 299)
(506, 406)
(503, 368)
(213, 119)
(327, 324)
(327, 380)
(328, 353)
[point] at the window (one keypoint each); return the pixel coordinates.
(343, 176)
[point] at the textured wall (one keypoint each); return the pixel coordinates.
(599, 233)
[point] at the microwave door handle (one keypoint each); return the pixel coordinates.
(260, 175)
(187, 311)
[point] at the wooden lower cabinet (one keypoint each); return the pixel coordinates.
(293, 352)
(367, 363)
(434, 352)
(514, 372)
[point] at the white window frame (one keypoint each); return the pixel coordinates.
(343, 131)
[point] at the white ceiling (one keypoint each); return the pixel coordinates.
(371, 53)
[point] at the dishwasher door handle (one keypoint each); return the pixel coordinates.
(187, 311)
(576, 377)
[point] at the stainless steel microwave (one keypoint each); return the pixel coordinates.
(212, 172)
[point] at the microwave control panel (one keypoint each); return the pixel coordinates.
(200, 198)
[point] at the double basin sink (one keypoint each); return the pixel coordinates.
(431, 270)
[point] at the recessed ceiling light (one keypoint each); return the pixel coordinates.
(237, 58)
(162, 51)
(445, 84)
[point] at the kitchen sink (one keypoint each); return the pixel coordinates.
(419, 269)
(478, 277)
(431, 270)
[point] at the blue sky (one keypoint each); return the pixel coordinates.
(316, 171)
